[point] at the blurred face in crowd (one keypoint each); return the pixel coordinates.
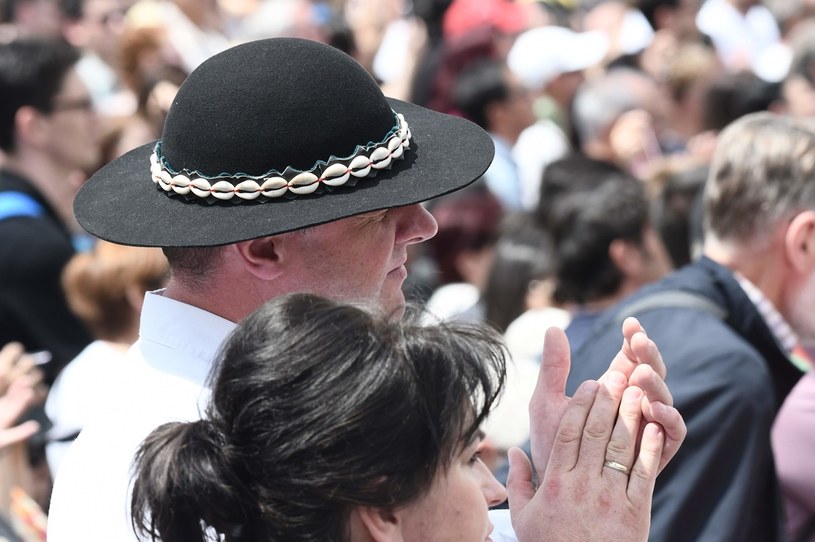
(103, 24)
(72, 126)
(514, 113)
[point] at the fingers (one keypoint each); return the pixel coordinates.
(645, 351)
(20, 395)
(646, 467)
(673, 427)
(600, 421)
(18, 433)
(637, 349)
(548, 401)
(520, 487)
(9, 355)
(566, 449)
(624, 437)
(554, 366)
(654, 387)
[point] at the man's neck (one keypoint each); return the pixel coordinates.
(759, 261)
(56, 184)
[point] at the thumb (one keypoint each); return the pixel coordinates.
(520, 488)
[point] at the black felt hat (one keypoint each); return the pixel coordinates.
(273, 136)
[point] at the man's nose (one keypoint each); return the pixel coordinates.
(414, 224)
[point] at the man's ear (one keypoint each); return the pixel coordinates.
(799, 242)
(30, 126)
(260, 256)
(627, 257)
(376, 524)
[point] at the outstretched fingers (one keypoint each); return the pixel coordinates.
(674, 429)
(632, 353)
(548, 401)
(657, 407)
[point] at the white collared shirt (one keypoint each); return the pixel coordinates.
(163, 379)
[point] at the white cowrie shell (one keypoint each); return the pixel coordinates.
(247, 190)
(380, 158)
(336, 175)
(181, 185)
(223, 190)
(303, 179)
(394, 143)
(360, 166)
(274, 187)
(164, 179)
(200, 187)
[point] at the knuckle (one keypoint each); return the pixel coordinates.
(595, 429)
(617, 449)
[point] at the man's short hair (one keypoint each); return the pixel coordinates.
(763, 172)
(32, 71)
(583, 225)
(195, 264)
(571, 173)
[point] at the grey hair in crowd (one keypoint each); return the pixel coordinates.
(763, 172)
(600, 102)
(317, 407)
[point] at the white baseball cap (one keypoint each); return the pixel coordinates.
(541, 54)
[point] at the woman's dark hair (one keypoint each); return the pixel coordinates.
(523, 254)
(316, 407)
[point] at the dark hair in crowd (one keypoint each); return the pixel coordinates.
(733, 95)
(479, 85)
(583, 226)
(523, 255)
(317, 407)
(32, 71)
(571, 173)
(468, 220)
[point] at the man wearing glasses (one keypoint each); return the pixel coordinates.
(48, 136)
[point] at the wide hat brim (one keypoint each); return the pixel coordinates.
(120, 203)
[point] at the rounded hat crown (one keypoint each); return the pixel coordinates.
(268, 105)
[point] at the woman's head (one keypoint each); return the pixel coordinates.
(324, 418)
(105, 287)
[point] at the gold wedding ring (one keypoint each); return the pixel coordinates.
(617, 466)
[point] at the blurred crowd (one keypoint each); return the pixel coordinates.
(604, 113)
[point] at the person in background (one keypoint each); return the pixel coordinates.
(730, 321)
(487, 93)
(105, 289)
(463, 249)
(21, 517)
(48, 132)
(95, 27)
(607, 249)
